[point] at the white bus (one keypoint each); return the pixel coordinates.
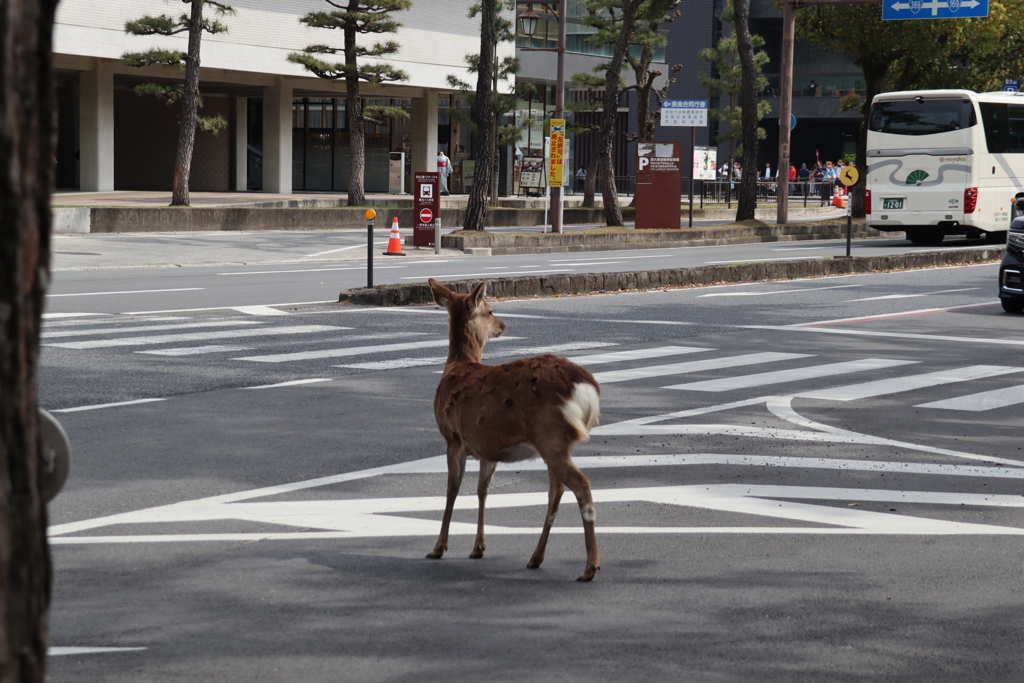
(944, 162)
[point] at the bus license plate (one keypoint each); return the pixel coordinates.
(892, 203)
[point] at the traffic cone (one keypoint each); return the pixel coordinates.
(837, 199)
(395, 241)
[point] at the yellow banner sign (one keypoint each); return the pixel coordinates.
(556, 152)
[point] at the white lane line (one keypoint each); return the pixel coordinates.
(222, 308)
(70, 651)
(112, 319)
(100, 406)
(54, 316)
(505, 272)
(349, 248)
(885, 387)
(396, 364)
(695, 366)
(260, 310)
(799, 248)
(197, 336)
(777, 291)
(142, 328)
(196, 350)
(914, 296)
(887, 316)
(793, 375)
(636, 354)
(569, 261)
(292, 383)
(985, 400)
(354, 351)
(135, 291)
(759, 260)
(401, 363)
(310, 270)
(900, 335)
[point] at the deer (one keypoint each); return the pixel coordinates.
(540, 406)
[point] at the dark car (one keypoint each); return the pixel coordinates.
(1011, 283)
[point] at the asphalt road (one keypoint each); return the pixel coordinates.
(809, 480)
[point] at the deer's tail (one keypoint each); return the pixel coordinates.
(583, 409)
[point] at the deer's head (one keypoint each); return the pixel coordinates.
(471, 320)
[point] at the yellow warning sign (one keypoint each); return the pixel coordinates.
(848, 176)
(556, 152)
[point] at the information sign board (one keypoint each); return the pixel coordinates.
(1011, 85)
(659, 190)
(684, 113)
(426, 207)
(705, 163)
(396, 173)
(933, 9)
(556, 153)
(532, 175)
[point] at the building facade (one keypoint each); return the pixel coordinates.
(287, 129)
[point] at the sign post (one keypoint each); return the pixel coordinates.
(848, 177)
(692, 113)
(556, 157)
(426, 209)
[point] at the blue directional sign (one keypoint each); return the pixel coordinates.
(934, 9)
(692, 113)
(1011, 85)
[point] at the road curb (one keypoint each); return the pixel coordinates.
(588, 283)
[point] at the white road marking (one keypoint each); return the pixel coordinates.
(69, 651)
(570, 261)
(900, 335)
(311, 270)
(395, 364)
(694, 366)
(913, 296)
(292, 383)
(333, 251)
(223, 308)
(56, 334)
(885, 387)
(799, 248)
(100, 406)
(54, 316)
(760, 260)
(505, 272)
(352, 351)
(887, 316)
(777, 291)
(985, 400)
(197, 336)
(636, 354)
(136, 291)
(260, 310)
(196, 350)
(792, 375)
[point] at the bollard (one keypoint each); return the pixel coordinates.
(370, 215)
(437, 233)
(849, 226)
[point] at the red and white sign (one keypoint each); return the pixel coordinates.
(426, 207)
(426, 216)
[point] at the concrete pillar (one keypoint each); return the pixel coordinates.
(277, 138)
(96, 127)
(424, 132)
(241, 144)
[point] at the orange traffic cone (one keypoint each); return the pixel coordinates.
(395, 241)
(837, 199)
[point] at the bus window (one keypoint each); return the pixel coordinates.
(921, 117)
(993, 118)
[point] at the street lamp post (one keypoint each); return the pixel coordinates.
(528, 26)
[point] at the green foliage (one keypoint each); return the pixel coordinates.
(171, 95)
(151, 57)
(724, 60)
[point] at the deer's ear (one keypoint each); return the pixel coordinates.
(478, 293)
(442, 295)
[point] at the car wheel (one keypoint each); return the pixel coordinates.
(1012, 305)
(920, 238)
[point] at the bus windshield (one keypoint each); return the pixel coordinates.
(921, 117)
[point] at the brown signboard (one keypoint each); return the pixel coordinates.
(659, 179)
(426, 207)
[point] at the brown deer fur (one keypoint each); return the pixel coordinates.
(543, 406)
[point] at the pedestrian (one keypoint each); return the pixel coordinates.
(581, 179)
(444, 167)
(819, 179)
(804, 174)
(768, 171)
(831, 174)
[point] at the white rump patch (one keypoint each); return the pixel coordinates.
(583, 409)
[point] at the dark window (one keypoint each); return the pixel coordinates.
(921, 117)
(1004, 127)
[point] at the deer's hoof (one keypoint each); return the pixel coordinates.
(435, 554)
(478, 552)
(588, 573)
(534, 562)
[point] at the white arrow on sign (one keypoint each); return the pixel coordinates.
(934, 5)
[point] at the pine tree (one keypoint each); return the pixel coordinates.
(352, 19)
(194, 24)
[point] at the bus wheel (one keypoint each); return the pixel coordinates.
(921, 238)
(1012, 305)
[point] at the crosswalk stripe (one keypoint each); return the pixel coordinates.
(56, 334)
(793, 375)
(399, 363)
(985, 400)
(197, 336)
(100, 406)
(636, 354)
(695, 366)
(353, 351)
(884, 387)
(196, 350)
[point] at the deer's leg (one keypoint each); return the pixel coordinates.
(456, 468)
(486, 472)
(554, 498)
(565, 469)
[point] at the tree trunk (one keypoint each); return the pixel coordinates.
(874, 77)
(748, 114)
(482, 115)
(592, 168)
(356, 125)
(26, 183)
(612, 210)
(189, 109)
